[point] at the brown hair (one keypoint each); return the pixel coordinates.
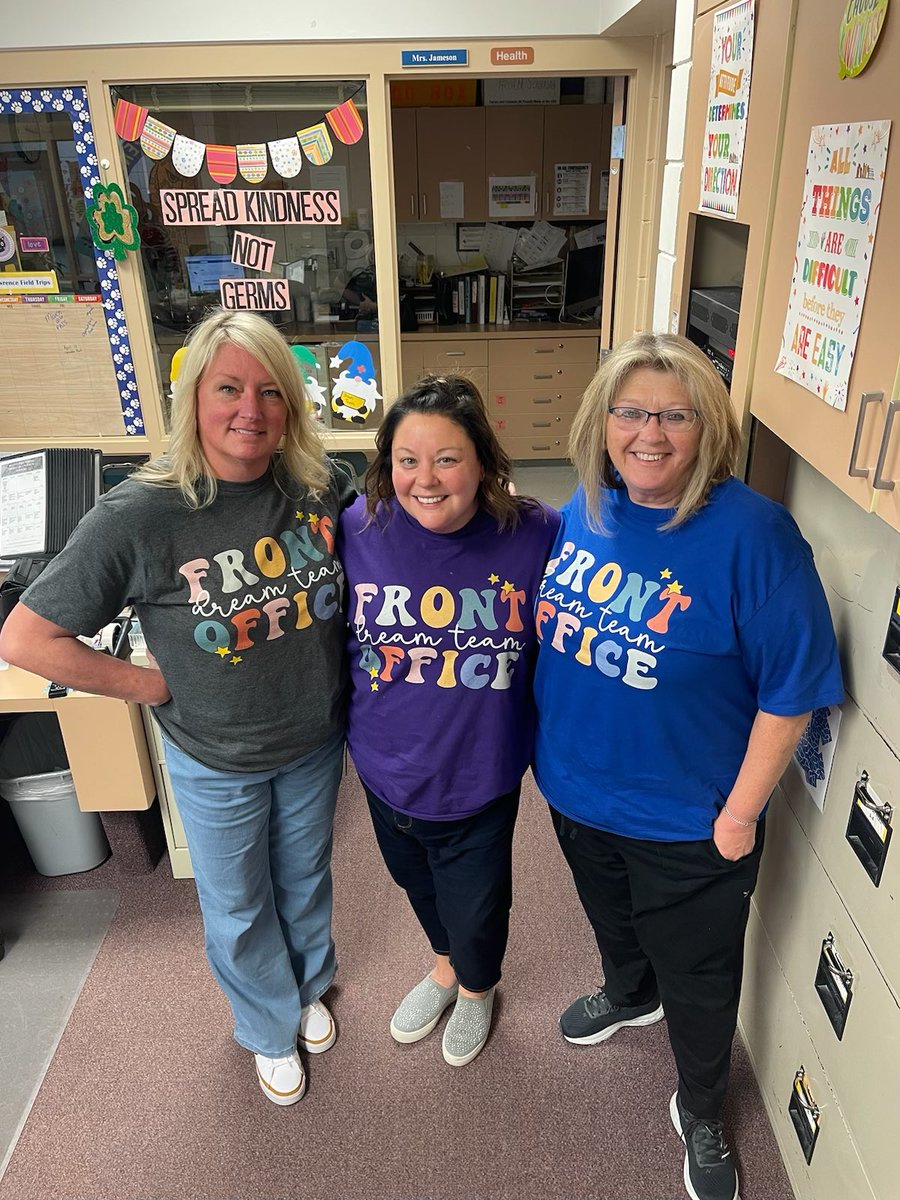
(458, 399)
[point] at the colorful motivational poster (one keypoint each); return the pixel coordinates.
(726, 114)
(838, 220)
(860, 29)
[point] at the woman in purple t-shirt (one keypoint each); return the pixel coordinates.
(443, 563)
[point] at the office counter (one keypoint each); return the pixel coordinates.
(104, 739)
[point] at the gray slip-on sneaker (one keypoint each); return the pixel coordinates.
(468, 1029)
(420, 1010)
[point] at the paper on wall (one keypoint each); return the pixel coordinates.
(452, 193)
(497, 245)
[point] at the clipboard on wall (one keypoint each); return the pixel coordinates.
(43, 496)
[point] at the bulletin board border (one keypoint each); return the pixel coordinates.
(73, 100)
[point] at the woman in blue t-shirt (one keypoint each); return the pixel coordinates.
(685, 639)
(443, 565)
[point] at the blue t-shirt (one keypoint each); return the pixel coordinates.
(657, 649)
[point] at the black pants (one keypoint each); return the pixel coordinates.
(670, 919)
(458, 877)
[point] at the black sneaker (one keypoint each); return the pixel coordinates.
(709, 1170)
(594, 1018)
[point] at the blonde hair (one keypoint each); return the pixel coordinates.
(719, 445)
(185, 466)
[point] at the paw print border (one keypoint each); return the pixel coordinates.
(73, 100)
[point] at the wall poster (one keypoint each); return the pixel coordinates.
(726, 113)
(838, 220)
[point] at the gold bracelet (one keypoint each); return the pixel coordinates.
(739, 820)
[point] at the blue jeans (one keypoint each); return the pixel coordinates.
(458, 878)
(260, 845)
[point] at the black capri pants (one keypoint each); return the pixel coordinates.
(458, 877)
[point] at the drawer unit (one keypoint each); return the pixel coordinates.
(521, 352)
(450, 354)
(798, 911)
(541, 375)
(518, 447)
(876, 910)
(531, 425)
(176, 842)
(779, 1042)
(534, 400)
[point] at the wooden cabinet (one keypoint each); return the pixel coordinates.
(470, 145)
(534, 388)
(451, 149)
(406, 163)
(446, 356)
(514, 138)
(576, 133)
(868, 431)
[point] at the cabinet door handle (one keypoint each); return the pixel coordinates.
(552, 350)
(541, 400)
(412, 204)
(455, 353)
(865, 401)
(542, 376)
(541, 424)
(886, 485)
(424, 205)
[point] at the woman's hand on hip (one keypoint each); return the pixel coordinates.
(733, 841)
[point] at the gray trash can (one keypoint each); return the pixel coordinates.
(61, 839)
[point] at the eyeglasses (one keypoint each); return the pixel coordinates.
(673, 420)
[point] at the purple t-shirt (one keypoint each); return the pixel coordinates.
(442, 647)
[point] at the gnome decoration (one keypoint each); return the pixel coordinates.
(355, 390)
(316, 394)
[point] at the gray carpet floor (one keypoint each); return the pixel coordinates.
(148, 1097)
(51, 941)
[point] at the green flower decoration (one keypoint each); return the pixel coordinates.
(114, 224)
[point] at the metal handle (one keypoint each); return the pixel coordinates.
(886, 485)
(412, 204)
(853, 469)
(541, 400)
(552, 350)
(424, 205)
(541, 424)
(455, 353)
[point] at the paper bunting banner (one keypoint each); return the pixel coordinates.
(286, 157)
(253, 161)
(221, 162)
(346, 123)
(156, 138)
(317, 145)
(130, 120)
(251, 158)
(187, 155)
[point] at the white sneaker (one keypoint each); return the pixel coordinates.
(283, 1080)
(317, 1031)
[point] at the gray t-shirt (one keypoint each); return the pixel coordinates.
(240, 604)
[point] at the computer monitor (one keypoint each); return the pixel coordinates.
(583, 288)
(205, 271)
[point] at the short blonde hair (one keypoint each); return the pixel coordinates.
(185, 466)
(720, 437)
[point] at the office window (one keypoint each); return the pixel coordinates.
(61, 318)
(258, 196)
